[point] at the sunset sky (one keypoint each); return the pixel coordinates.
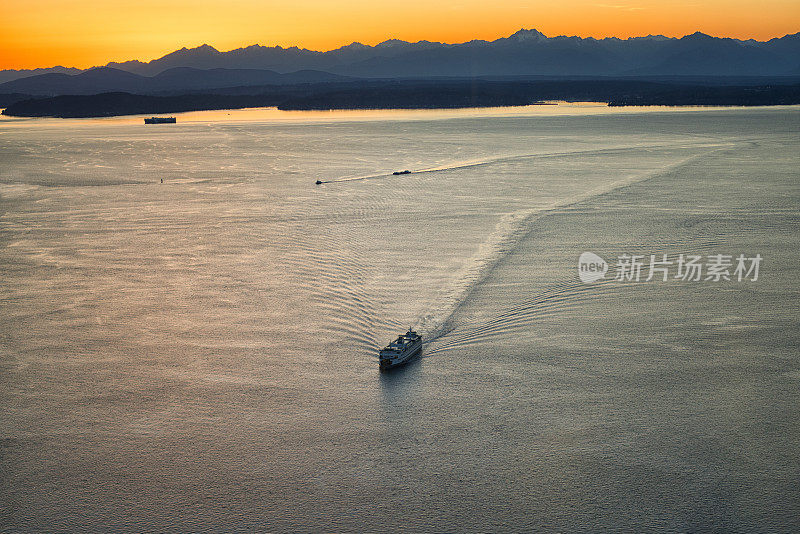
(83, 33)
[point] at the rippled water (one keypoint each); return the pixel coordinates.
(202, 354)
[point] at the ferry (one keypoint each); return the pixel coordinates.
(401, 350)
(161, 120)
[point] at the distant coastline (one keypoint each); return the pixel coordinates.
(412, 94)
(521, 69)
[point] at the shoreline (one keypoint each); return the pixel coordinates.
(699, 107)
(409, 95)
(273, 114)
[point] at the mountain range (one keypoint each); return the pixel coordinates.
(13, 74)
(172, 80)
(524, 53)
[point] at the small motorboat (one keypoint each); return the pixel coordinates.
(319, 182)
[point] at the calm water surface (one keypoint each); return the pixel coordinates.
(201, 355)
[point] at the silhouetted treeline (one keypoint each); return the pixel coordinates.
(411, 94)
(481, 93)
(416, 95)
(765, 95)
(113, 104)
(12, 98)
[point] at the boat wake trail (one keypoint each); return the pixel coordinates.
(554, 300)
(466, 164)
(364, 177)
(438, 327)
(545, 155)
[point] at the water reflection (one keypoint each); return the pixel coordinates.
(273, 114)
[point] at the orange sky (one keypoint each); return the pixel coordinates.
(83, 33)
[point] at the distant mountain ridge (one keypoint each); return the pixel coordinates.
(527, 52)
(176, 79)
(13, 74)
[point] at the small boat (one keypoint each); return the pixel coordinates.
(319, 182)
(161, 120)
(398, 173)
(399, 351)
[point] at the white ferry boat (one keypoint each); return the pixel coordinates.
(401, 350)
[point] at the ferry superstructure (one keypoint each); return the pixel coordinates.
(400, 350)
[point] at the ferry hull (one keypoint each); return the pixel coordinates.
(391, 363)
(160, 120)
